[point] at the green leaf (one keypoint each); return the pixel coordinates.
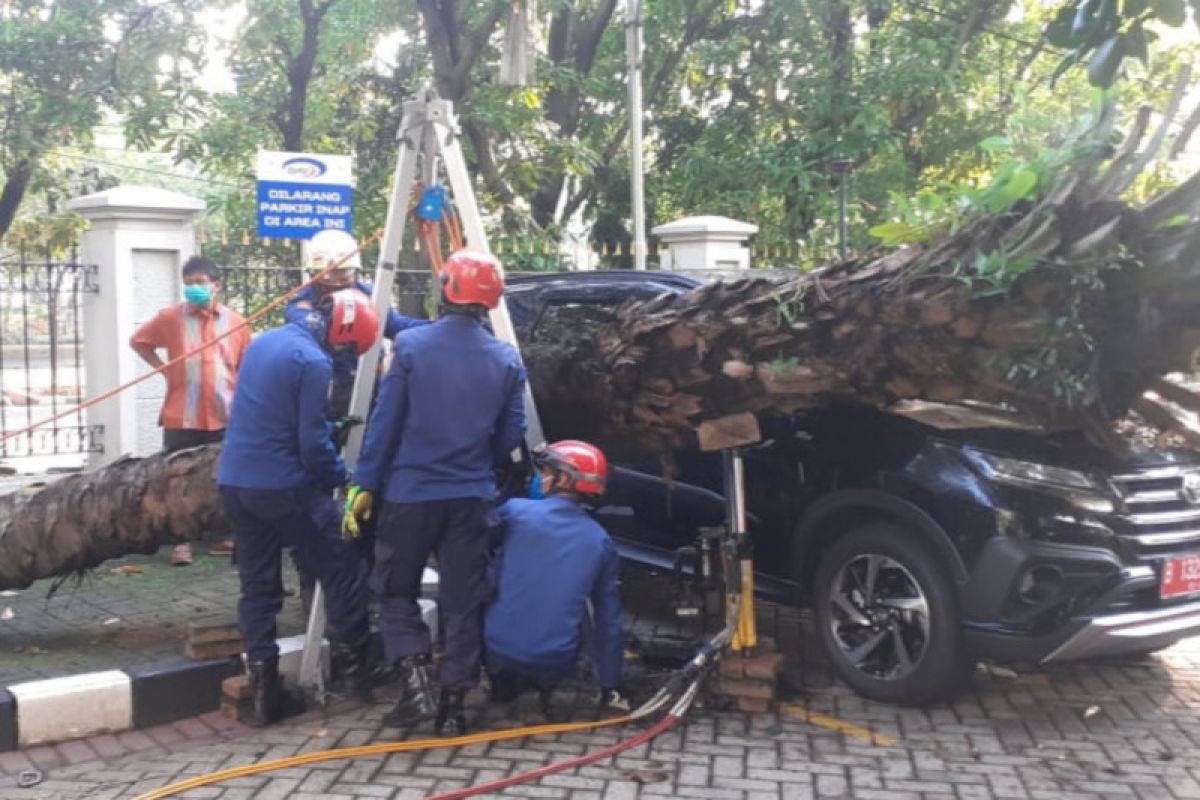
(996, 144)
(1171, 12)
(1058, 32)
(1173, 222)
(1022, 183)
(1083, 17)
(1102, 67)
(892, 233)
(1136, 45)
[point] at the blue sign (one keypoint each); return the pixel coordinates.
(300, 194)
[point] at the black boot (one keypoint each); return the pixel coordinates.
(269, 700)
(355, 671)
(416, 703)
(450, 718)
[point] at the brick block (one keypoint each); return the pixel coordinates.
(236, 687)
(746, 688)
(207, 633)
(754, 705)
(764, 666)
(212, 650)
(731, 666)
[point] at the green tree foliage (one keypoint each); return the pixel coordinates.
(1103, 33)
(63, 64)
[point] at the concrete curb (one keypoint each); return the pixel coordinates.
(59, 709)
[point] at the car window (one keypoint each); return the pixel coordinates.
(563, 321)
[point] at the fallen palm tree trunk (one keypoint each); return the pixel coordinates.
(132, 506)
(1066, 304)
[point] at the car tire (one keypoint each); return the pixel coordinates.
(887, 612)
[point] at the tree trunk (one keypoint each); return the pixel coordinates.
(13, 192)
(132, 506)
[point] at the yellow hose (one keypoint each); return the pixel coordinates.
(377, 749)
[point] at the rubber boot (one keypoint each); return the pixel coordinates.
(357, 673)
(416, 703)
(269, 700)
(451, 721)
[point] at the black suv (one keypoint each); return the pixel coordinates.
(926, 537)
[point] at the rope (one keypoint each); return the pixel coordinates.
(257, 315)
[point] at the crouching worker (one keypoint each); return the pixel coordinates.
(553, 561)
(277, 473)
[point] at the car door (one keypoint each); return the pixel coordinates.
(647, 510)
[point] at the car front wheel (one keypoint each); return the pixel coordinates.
(887, 613)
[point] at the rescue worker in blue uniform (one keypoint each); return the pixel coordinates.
(324, 249)
(449, 408)
(553, 561)
(277, 473)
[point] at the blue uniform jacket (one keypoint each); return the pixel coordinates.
(278, 436)
(554, 559)
(345, 367)
(449, 407)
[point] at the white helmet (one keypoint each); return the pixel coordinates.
(329, 247)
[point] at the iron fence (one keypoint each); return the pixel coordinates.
(41, 353)
(249, 288)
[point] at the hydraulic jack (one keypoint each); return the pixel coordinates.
(713, 582)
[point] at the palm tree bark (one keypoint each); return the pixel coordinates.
(132, 506)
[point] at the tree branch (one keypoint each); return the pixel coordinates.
(1185, 133)
(477, 39)
(968, 29)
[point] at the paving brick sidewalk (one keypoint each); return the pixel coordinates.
(1029, 737)
(1117, 729)
(107, 619)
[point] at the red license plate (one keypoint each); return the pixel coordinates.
(1180, 576)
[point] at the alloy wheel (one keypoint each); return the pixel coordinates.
(879, 616)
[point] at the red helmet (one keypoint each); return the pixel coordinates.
(585, 463)
(471, 277)
(352, 321)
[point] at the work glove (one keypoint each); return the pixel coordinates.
(612, 702)
(358, 509)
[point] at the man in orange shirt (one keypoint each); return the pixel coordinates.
(200, 389)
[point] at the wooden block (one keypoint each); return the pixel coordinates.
(745, 687)
(734, 430)
(236, 687)
(203, 652)
(202, 633)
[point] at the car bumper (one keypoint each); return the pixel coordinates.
(1129, 632)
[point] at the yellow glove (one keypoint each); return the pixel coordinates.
(357, 511)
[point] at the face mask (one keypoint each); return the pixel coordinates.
(535, 487)
(198, 294)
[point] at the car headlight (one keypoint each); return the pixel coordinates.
(1074, 486)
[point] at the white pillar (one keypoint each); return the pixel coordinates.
(138, 237)
(705, 243)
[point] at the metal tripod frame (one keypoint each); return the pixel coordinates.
(429, 139)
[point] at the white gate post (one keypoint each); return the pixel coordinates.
(138, 237)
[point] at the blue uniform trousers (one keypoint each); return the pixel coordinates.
(407, 534)
(265, 521)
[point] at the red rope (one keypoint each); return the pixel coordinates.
(661, 726)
